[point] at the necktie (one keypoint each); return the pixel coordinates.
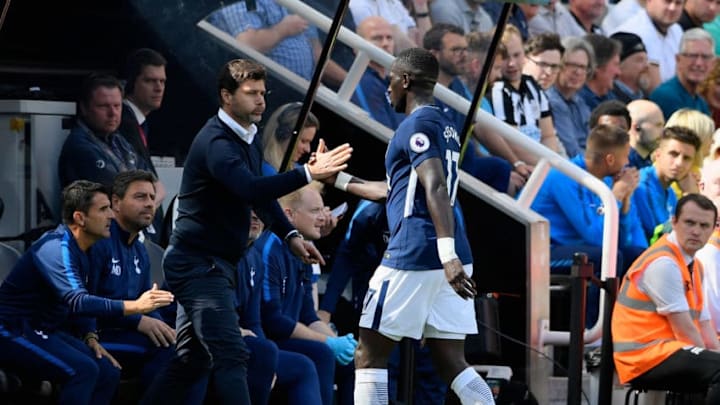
(143, 130)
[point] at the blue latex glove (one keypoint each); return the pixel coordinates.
(343, 347)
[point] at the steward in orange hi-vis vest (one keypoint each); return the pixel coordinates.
(642, 338)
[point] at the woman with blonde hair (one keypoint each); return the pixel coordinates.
(277, 134)
(704, 127)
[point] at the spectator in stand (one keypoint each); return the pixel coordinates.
(286, 38)
(288, 313)
(478, 45)
(577, 20)
(47, 286)
(694, 63)
(144, 90)
(518, 99)
(709, 90)
(704, 127)
(661, 328)
(371, 92)
(466, 14)
(698, 12)
(657, 25)
(408, 30)
(570, 113)
(517, 17)
(553, 17)
(611, 112)
(654, 199)
(544, 52)
(488, 142)
(598, 87)
(633, 81)
(448, 44)
(95, 150)
(619, 12)
(709, 255)
(576, 214)
(646, 125)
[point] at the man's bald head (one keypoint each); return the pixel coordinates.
(643, 109)
(377, 30)
(647, 124)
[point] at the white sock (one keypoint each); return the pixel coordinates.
(472, 389)
(371, 386)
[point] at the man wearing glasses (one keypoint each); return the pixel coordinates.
(693, 64)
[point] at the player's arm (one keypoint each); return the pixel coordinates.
(366, 189)
(431, 176)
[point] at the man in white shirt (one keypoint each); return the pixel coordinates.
(657, 26)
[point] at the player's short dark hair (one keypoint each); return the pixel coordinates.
(434, 36)
(136, 62)
(614, 108)
(680, 134)
(78, 196)
(237, 71)
(703, 202)
(420, 64)
(123, 180)
(605, 138)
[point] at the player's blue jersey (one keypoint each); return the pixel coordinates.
(425, 133)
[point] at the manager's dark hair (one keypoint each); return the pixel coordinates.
(123, 180)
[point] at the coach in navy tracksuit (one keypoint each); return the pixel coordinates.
(143, 344)
(221, 182)
(47, 286)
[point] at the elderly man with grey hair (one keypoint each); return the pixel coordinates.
(570, 113)
(693, 64)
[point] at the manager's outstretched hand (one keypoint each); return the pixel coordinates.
(324, 163)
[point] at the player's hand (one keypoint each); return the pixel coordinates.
(325, 163)
(100, 352)
(153, 299)
(306, 251)
(160, 333)
(463, 285)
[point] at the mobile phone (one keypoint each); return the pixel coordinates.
(340, 210)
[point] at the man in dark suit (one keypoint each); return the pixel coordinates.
(144, 90)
